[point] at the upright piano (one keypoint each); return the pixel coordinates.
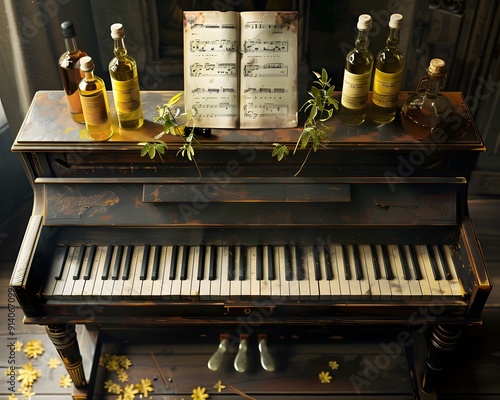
(373, 232)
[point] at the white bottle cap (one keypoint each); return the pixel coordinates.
(396, 21)
(117, 31)
(364, 22)
(436, 66)
(86, 64)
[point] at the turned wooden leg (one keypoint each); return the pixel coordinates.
(66, 343)
(443, 341)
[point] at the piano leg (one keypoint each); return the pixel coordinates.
(443, 340)
(65, 341)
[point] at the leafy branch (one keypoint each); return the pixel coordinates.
(320, 108)
(169, 116)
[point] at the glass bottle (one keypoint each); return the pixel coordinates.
(94, 100)
(389, 65)
(357, 76)
(125, 82)
(422, 112)
(69, 69)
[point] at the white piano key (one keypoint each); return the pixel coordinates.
(95, 280)
(166, 262)
(364, 283)
(225, 284)
(443, 282)
(252, 272)
(424, 283)
(60, 256)
(456, 287)
(147, 284)
(132, 285)
(246, 284)
(366, 259)
(413, 283)
(323, 284)
(384, 283)
(64, 286)
(343, 287)
(294, 283)
(265, 283)
(190, 288)
(310, 276)
(236, 283)
(354, 283)
(215, 284)
(157, 284)
(425, 263)
(176, 283)
(397, 268)
(281, 289)
(107, 287)
(79, 284)
(205, 282)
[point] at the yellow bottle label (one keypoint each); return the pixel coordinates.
(355, 90)
(386, 88)
(94, 109)
(127, 95)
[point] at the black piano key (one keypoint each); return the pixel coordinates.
(184, 262)
(243, 264)
(404, 263)
(107, 263)
(357, 262)
(300, 267)
(259, 264)
(271, 273)
(128, 261)
(155, 273)
(434, 266)
(288, 264)
(317, 269)
(328, 264)
(144, 265)
(201, 264)
(59, 261)
(347, 263)
(90, 263)
(444, 263)
(387, 264)
(416, 265)
(376, 265)
(118, 261)
(79, 263)
(173, 263)
(231, 268)
(212, 269)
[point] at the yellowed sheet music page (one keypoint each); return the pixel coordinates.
(268, 78)
(211, 66)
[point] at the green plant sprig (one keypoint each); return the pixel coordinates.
(168, 115)
(320, 107)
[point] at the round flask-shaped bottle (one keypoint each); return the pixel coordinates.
(422, 112)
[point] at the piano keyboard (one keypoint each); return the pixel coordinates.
(210, 272)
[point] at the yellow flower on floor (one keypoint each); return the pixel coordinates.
(18, 346)
(13, 397)
(324, 377)
(129, 392)
(28, 374)
(334, 364)
(199, 393)
(145, 387)
(27, 393)
(122, 375)
(112, 387)
(65, 381)
(219, 386)
(54, 362)
(125, 362)
(34, 348)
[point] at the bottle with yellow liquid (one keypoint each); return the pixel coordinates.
(94, 101)
(125, 82)
(357, 76)
(389, 65)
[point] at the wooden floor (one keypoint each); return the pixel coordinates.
(473, 374)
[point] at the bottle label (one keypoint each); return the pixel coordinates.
(127, 95)
(94, 109)
(355, 90)
(386, 88)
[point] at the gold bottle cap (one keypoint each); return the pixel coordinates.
(364, 22)
(396, 21)
(436, 66)
(117, 31)
(86, 64)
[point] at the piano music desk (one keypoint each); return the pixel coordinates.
(374, 232)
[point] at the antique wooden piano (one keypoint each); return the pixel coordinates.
(373, 233)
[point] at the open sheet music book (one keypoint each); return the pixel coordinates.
(240, 69)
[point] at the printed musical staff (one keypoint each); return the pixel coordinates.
(212, 69)
(257, 45)
(212, 45)
(266, 70)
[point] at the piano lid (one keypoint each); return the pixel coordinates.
(48, 127)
